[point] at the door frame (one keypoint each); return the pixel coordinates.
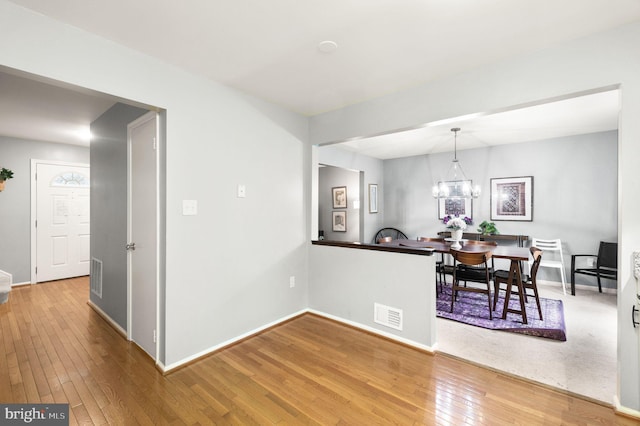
(156, 187)
(34, 208)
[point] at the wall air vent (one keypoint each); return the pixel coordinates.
(96, 277)
(387, 316)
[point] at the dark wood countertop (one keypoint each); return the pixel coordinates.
(375, 247)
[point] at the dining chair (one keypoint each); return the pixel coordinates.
(553, 248)
(461, 261)
(473, 245)
(440, 276)
(394, 233)
(605, 265)
(528, 281)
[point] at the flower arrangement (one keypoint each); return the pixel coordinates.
(457, 223)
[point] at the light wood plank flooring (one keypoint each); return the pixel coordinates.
(55, 348)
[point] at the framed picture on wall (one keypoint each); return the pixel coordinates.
(454, 204)
(512, 198)
(339, 221)
(373, 198)
(339, 196)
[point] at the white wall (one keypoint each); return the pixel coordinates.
(220, 283)
(610, 58)
(345, 283)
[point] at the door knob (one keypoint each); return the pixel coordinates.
(130, 246)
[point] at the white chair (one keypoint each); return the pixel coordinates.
(556, 261)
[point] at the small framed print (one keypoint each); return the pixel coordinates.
(373, 198)
(512, 198)
(455, 204)
(339, 221)
(339, 196)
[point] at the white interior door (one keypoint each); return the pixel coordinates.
(143, 232)
(62, 221)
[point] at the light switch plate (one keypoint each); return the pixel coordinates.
(242, 191)
(189, 207)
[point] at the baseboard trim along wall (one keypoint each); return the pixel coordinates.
(390, 336)
(108, 319)
(166, 369)
(624, 411)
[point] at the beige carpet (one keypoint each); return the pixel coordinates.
(585, 364)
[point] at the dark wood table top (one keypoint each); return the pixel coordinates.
(499, 252)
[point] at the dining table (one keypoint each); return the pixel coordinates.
(514, 254)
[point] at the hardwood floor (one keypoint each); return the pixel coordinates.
(55, 348)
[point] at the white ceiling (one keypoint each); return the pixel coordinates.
(39, 111)
(590, 113)
(269, 48)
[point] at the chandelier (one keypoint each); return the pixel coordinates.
(456, 184)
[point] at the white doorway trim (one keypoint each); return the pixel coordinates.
(156, 188)
(34, 210)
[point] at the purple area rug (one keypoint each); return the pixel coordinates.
(472, 308)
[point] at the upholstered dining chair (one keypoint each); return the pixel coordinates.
(440, 276)
(528, 281)
(479, 260)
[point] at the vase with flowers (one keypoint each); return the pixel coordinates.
(457, 225)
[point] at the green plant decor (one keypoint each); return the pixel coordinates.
(488, 228)
(5, 174)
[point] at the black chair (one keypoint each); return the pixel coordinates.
(461, 261)
(394, 233)
(528, 282)
(606, 265)
(440, 278)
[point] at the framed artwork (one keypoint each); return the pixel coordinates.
(339, 196)
(339, 221)
(373, 198)
(454, 204)
(512, 198)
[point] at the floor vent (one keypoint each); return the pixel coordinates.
(96, 277)
(388, 316)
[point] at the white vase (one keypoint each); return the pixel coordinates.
(456, 234)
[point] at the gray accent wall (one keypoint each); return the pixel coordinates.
(574, 192)
(15, 200)
(329, 178)
(372, 170)
(109, 206)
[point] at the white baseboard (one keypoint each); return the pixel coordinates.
(578, 286)
(372, 330)
(108, 319)
(20, 284)
(168, 368)
(624, 410)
